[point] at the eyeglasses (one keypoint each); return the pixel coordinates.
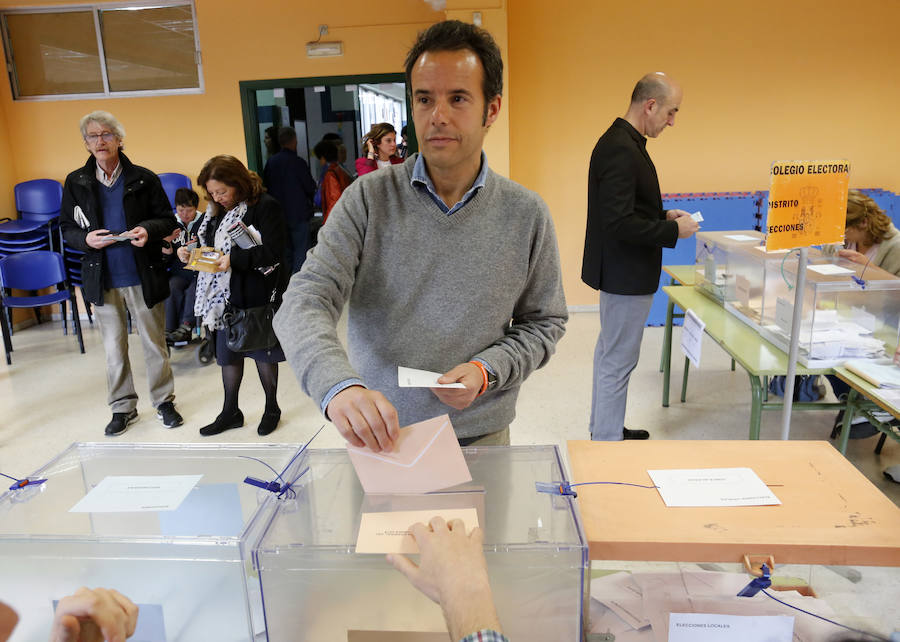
(107, 137)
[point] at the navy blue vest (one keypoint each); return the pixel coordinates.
(120, 270)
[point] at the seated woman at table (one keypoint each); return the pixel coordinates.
(870, 238)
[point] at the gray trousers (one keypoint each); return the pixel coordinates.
(150, 325)
(622, 320)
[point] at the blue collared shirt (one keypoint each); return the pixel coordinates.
(421, 180)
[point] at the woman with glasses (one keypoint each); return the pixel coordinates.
(247, 278)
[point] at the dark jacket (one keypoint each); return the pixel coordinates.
(288, 180)
(249, 287)
(626, 223)
(145, 203)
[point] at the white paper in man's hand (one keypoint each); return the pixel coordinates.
(697, 216)
(413, 378)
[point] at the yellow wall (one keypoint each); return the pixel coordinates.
(240, 40)
(763, 80)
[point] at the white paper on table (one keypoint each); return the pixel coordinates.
(703, 627)
(697, 216)
(712, 487)
(829, 270)
(413, 378)
(692, 337)
(762, 248)
(131, 493)
(741, 237)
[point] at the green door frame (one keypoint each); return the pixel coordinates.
(248, 90)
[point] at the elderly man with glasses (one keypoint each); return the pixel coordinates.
(118, 215)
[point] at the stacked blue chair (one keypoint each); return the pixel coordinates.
(171, 182)
(33, 271)
(37, 226)
(72, 263)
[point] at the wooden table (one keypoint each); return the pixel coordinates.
(830, 513)
(862, 399)
(757, 356)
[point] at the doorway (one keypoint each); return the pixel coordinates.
(342, 105)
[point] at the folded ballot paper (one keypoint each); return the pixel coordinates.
(246, 237)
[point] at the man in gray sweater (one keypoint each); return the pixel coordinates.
(447, 266)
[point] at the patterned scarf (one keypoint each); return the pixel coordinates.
(214, 288)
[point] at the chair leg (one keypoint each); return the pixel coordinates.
(880, 443)
(7, 340)
(75, 320)
(65, 320)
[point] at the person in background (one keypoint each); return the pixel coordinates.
(182, 282)
(381, 149)
(452, 572)
(333, 179)
(88, 615)
(244, 280)
(270, 140)
(627, 228)
(118, 214)
(870, 237)
(402, 148)
(287, 178)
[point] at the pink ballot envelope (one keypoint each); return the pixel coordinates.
(425, 458)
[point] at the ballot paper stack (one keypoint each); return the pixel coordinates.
(826, 335)
(638, 607)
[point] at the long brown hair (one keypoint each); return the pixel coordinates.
(379, 131)
(229, 170)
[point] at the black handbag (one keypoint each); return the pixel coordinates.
(250, 329)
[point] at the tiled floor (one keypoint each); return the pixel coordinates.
(51, 396)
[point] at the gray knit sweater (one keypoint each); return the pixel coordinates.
(427, 291)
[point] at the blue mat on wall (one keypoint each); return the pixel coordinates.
(730, 211)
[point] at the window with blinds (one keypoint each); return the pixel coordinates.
(102, 50)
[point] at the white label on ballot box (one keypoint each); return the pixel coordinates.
(784, 314)
(742, 290)
(706, 627)
(129, 493)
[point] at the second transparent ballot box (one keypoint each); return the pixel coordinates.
(316, 587)
(713, 276)
(163, 524)
(850, 311)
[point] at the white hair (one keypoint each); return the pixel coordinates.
(105, 119)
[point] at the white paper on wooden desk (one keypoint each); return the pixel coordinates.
(741, 237)
(712, 487)
(413, 378)
(828, 269)
(692, 337)
(131, 493)
(701, 627)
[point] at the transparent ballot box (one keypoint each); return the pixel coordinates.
(713, 276)
(177, 553)
(850, 311)
(315, 586)
(757, 276)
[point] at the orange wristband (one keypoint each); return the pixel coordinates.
(484, 375)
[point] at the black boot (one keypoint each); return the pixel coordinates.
(222, 423)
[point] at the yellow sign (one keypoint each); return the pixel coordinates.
(807, 203)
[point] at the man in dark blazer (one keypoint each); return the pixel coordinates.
(627, 228)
